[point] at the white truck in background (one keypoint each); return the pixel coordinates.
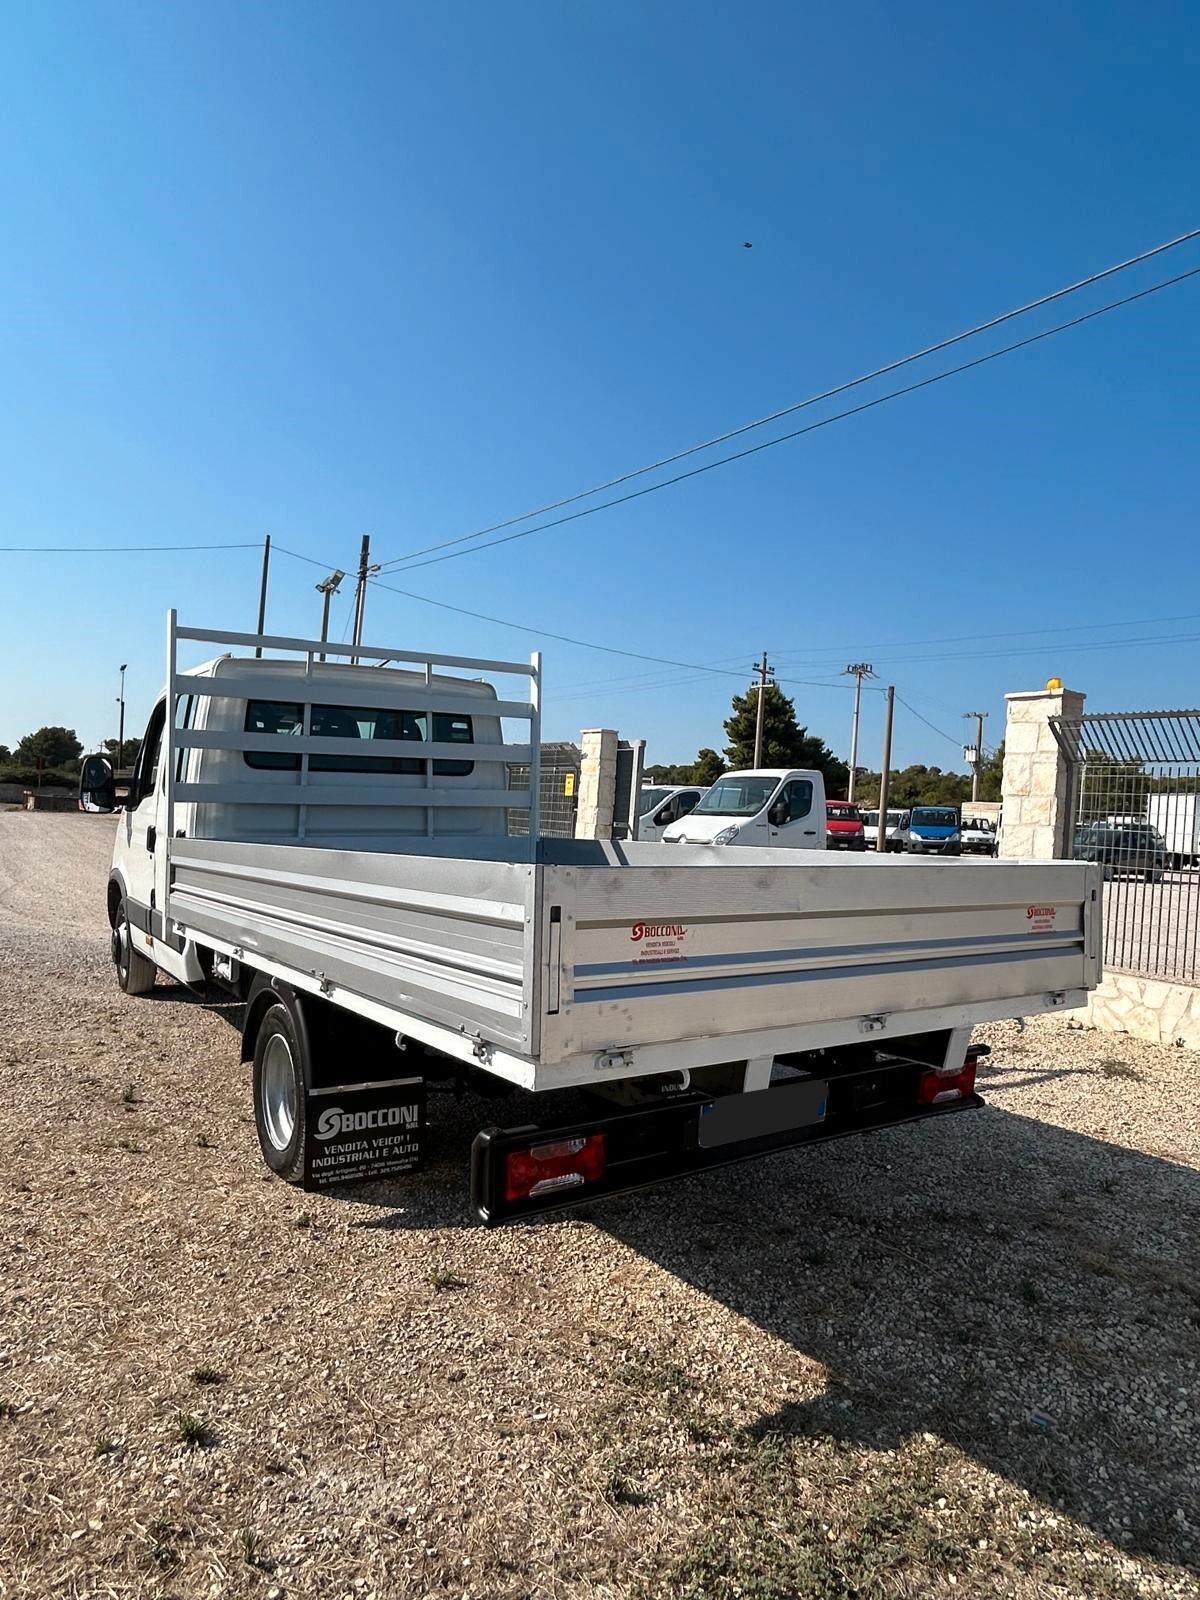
(781, 807)
(1177, 818)
(327, 843)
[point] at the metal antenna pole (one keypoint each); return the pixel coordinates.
(886, 769)
(859, 671)
(765, 674)
(262, 593)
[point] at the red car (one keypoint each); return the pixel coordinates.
(844, 826)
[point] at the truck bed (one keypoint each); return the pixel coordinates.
(611, 960)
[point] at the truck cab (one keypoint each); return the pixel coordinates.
(237, 745)
(779, 806)
(933, 831)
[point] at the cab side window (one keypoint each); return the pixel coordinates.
(798, 797)
(687, 802)
(145, 772)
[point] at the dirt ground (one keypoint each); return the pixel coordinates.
(958, 1359)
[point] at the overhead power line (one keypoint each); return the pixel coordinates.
(115, 549)
(811, 400)
(797, 433)
(585, 644)
(941, 732)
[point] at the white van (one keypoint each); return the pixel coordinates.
(897, 821)
(781, 806)
(660, 804)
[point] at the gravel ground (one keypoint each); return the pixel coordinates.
(951, 1359)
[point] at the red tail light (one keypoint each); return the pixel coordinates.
(939, 1088)
(545, 1168)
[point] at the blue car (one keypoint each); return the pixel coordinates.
(932, 831)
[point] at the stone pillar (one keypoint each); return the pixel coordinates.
(1036, 819)
(597, 783)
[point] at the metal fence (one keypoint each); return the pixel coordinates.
(1135, 799)
(559, 792)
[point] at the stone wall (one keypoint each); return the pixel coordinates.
(597, 783)
(1036, 784)
(1145, 1008)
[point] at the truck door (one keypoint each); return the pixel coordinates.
(792, 820)
(142, 818)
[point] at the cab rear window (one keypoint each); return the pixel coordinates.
(357, 722)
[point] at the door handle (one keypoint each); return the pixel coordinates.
(151, 838)
(810, 833)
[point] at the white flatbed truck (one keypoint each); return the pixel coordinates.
(328, 843)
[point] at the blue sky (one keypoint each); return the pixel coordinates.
(321, 271)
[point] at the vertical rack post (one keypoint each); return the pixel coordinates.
(535, 752)
(168, 831)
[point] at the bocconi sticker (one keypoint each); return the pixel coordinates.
(334, 1120)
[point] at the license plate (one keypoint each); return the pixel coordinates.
(764, 1111)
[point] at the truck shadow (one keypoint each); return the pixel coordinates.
(1028, 1294)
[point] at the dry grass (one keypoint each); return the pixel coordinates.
(959, 1359)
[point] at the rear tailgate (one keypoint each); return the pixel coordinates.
(734, 942)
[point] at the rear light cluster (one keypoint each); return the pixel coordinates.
(547, 1168)
(939, 1088)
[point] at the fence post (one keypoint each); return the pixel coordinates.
(597, 783)
(1036, 820)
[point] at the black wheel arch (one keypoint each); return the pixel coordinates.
(265, 992)
(116, 893)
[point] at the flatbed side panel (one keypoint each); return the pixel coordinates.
(447, 940)
(660, 953)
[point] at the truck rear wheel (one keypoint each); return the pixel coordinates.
(279, 1097)
(135, 972)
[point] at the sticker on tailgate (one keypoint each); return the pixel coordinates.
(1040, 919)
(658, 941)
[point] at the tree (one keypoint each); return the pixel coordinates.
(58, 747)
(708, 768)
(127, 755)
(991, 774)
(669, 776)
(5, 754)
(785, 743)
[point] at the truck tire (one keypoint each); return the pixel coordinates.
(279, 1093)
(135, 972)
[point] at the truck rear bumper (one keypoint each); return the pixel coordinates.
(646, 1145)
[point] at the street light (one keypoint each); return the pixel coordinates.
(119, 762)
(328, 587)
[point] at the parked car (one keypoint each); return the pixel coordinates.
(897, 821)
(932, 831)
(978, 837)
(1127, 850)
(659, 805)
(844, 826)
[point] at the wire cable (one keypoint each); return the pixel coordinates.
(812, 427)
(114, 549)
(941, 732)
(812, 400)
(585, 644)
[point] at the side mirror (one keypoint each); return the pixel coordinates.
(97, 785)
(778, 814)
(663, 817)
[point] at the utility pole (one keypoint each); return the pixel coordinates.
(120, 758)
(886, 769)
(974, 753)
(262, 593)
(328, 587)
(365, 570)
(859, 671)
(765, 674)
